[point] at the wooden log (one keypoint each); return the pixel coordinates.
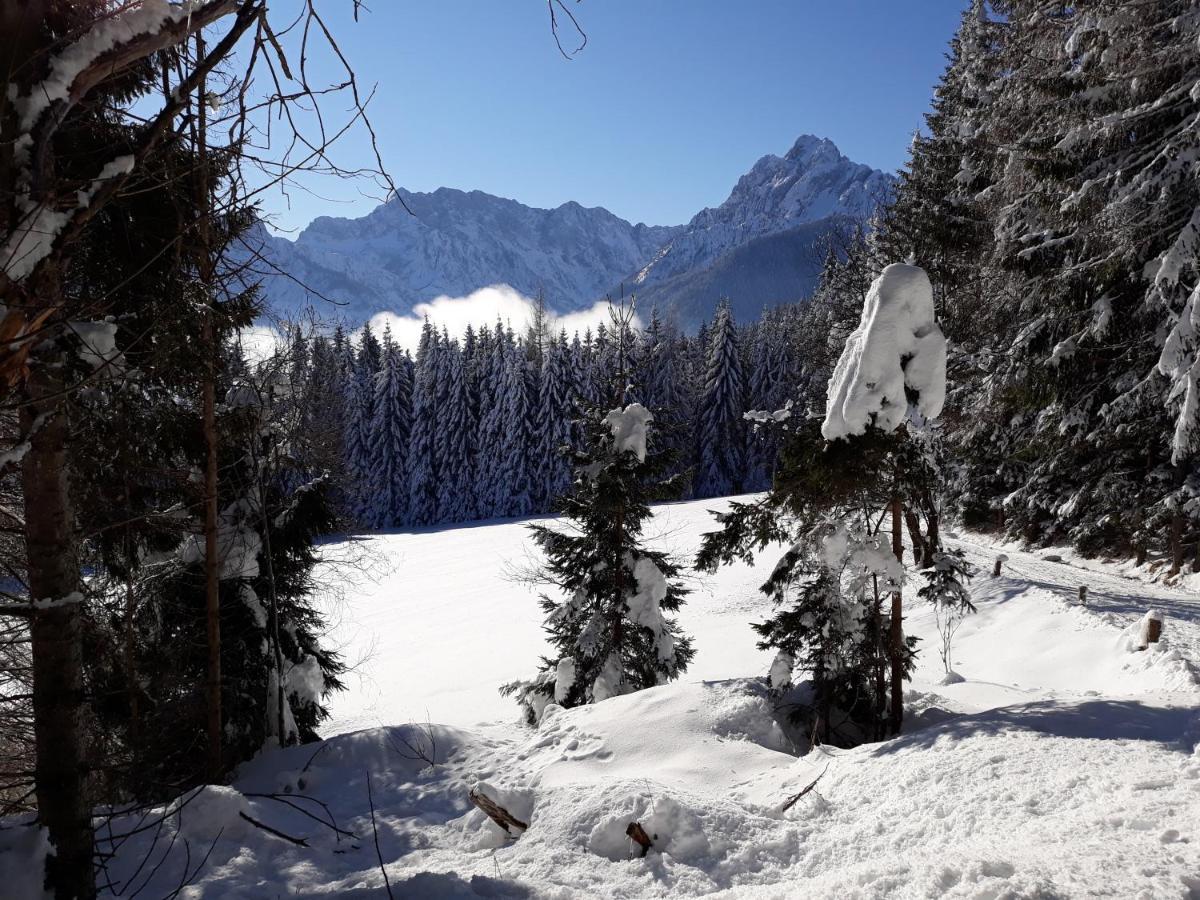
(1000, 561)
(639, 836)
(495, 811)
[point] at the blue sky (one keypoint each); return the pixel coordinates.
(656, 118)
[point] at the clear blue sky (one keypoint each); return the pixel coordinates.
(657, 117)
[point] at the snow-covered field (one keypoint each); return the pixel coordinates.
(1066, 764)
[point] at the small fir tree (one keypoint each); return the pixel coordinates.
(612, 626)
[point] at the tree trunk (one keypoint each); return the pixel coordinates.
(212, 564)
(1176, 542)
(932, 536)
(56, 632)
(914, 534)
(896, 629)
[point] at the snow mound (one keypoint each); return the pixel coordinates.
(896, 348)
(23, 849)
(211, 812)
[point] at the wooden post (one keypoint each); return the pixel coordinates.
(1083, 595)
(1000, 560)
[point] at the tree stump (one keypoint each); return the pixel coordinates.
(1000, 560)
(639, 836)
(1083, 594)
(1152, 626)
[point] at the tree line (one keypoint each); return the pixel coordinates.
(474, 426)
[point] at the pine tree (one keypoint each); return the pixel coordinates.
(555, 412)
(424, 468)
(514, 490)
(611, 628)
(491, 493)
(455, 445)
(720, 427)
(390, 432)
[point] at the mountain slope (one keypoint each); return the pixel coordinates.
(761, 247)
(811, 183)
(452, 243)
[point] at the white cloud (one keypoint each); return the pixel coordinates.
(482, 308)
(259, 342)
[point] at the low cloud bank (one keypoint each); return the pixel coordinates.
(482, 308)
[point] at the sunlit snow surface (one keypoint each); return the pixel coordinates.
(1065, 764)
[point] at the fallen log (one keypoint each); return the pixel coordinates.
(495, 811)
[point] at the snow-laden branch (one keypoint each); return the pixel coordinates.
(896, 351)
(40, 226)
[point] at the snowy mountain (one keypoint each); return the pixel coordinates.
(756, 247)
(452, 243)
(797, 197)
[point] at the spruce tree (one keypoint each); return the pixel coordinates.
(390, 432)
(720, 427)
(455, 444)
(610, 625)
(555, 412)
(423, 462)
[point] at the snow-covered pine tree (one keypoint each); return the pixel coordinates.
(490, 493)
(359, 410)
(663, 383)
(720, 429)
(423, 464)
(767, 391)
(390, 432)
(514, 409)
(556, 410)
(455, 446)
(611, 627)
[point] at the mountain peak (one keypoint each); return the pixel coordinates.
(809, 146)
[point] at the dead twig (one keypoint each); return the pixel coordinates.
(792, 800)
(375, 831)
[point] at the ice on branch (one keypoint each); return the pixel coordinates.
(896, 352)
(629, 429)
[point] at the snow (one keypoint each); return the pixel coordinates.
(98, 342)
(1063, 763)
(628, 427)
(104, 35)
(23, 849)
(896, 346)
(39, 226)
(645, 605)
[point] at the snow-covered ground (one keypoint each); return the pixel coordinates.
(1066, 764)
